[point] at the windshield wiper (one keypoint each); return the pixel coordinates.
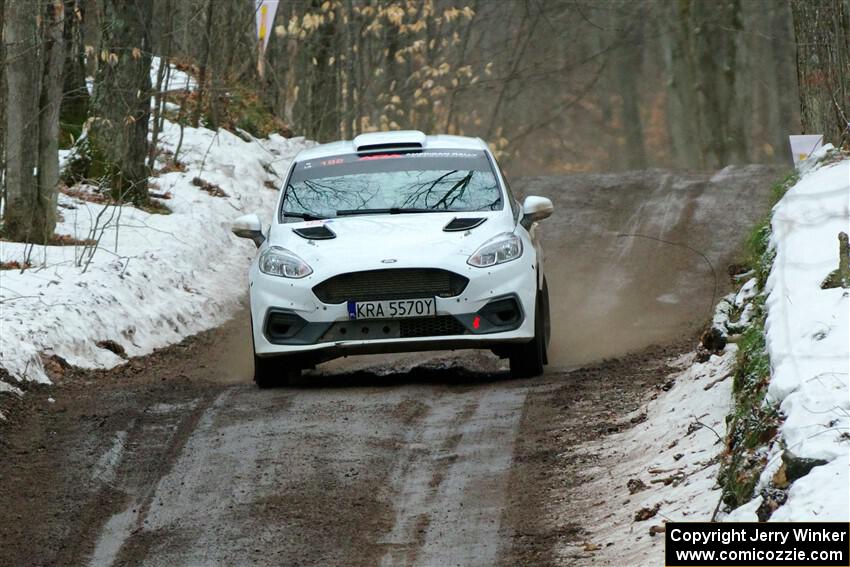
(305, 216)
(389, 211)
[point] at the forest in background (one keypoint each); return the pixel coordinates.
(554, 86)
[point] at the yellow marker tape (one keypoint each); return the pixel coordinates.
(263, 11)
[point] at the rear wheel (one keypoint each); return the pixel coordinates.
(527, 359)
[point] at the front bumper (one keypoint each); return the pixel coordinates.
(288, 318)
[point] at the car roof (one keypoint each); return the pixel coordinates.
(399, 139)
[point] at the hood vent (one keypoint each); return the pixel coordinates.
(315, 232)
(378, 148)
(401, 140)
(460, 224)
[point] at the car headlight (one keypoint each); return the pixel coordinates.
(277, 261)
(498, 250)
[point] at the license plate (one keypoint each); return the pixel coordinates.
(392, 308)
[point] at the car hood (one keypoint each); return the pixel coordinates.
(389, 241)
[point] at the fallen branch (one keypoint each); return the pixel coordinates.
(711, 384)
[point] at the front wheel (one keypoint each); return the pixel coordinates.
(527, 359)
(274, 372)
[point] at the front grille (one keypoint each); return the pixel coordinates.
(441, 325)
(399, 283)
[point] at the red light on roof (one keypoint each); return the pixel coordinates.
(476, 322)
(379, 156)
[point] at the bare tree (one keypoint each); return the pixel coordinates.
(121, 100)
(321, 87)
(53, 63)
(75, 99)
(822, 31)
(21, 220)
(628, 28)
(2, 107)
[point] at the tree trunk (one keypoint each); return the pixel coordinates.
(92, 32)
(121, 101)
(75, 102)
(322, 104)
(350, 82)
(22, 90)
(783, 85)
(683, 116)
(822, 32)
(2, 109)
(162, 74)
(627, 71)
(203, 70)
(53, 57)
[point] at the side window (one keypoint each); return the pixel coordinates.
(515, 207)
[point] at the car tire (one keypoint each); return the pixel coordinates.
(273, 372)
(547, 321)
(527, 359)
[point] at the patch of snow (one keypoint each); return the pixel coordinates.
(774, 463)
(154, 279)
(814, 160)
(747, 315)
(745, 513)
(680, 441)
(177, 79)
(722, 312)
(106, 466)
(808, 341)
(64, 156)
(746, 293)
(6, 388)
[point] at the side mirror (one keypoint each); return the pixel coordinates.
(536, 209)
(249, 226)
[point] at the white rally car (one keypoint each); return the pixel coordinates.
(396, 242)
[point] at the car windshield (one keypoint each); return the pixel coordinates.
(427, 181)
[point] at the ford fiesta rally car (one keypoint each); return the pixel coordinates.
(396, 242)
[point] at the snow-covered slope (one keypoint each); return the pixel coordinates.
(154, 279)
(675, 452)
(808, 341)
(665, 467)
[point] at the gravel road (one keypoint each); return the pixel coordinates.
(176, 459)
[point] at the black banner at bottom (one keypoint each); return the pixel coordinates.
(753, 544)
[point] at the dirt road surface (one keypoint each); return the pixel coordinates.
(176, 459)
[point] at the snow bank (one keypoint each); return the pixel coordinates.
(154, 279)
(808, 338)
(670, 461)
(674, 454)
